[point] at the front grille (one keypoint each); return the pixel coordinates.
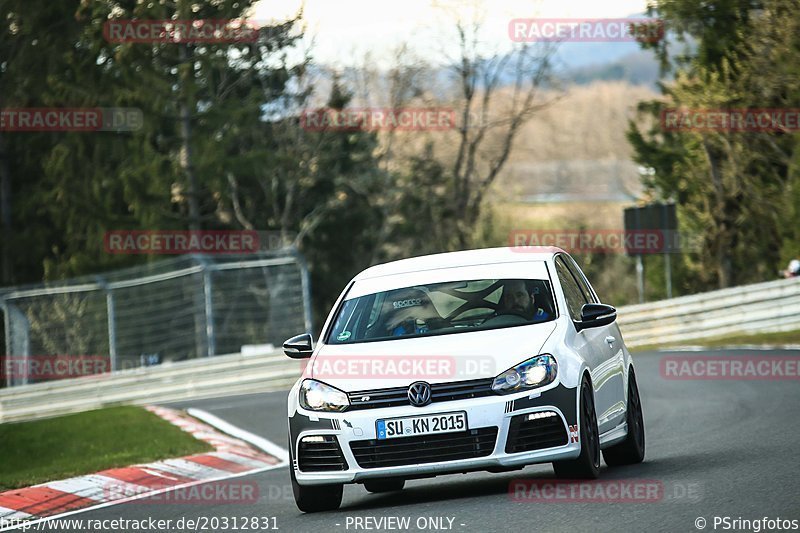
(440, 392)
(320, 454)
(527, 435)
(424, 449)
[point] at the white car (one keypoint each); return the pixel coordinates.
(487, 359)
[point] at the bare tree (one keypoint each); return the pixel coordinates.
(498, 95)
(493, 94)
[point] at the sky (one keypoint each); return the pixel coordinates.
(344, 30)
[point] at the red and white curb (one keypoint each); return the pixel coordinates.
(232, 457)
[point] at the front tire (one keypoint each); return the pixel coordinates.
(384, 485)
(587, 464)
(631, 450)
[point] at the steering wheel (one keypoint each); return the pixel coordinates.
(512, 317)
(504, 312)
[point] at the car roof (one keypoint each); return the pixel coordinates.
(483, 256)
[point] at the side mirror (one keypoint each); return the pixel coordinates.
(594, 315)
(299, 347)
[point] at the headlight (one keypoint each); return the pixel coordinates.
(536, 372)
(318, 396)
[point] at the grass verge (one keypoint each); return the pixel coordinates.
(783, 337)
(56, 448)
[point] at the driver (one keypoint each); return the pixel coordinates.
(517, 300)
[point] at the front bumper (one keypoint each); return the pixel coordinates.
(486, 412)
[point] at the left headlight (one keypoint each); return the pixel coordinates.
(317, 396)
(535, 372)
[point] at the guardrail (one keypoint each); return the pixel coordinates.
(200, 378)
(765, 307)
(760, 308)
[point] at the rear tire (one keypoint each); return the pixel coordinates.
(631, 450)
(587, 464)
(377, 486)
(315, 498)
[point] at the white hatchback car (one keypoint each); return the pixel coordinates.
(487, 359)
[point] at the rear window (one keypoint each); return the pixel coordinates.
(441, 308)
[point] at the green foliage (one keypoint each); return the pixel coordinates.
(737, 189)
(69, 188)
(239, 160)
(424, 218)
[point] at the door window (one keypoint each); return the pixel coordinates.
(588, 293)
(572, 291)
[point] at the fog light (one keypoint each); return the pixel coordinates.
(315, 438)
(543, 414)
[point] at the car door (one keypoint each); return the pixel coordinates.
(582, 342)
(609, 377)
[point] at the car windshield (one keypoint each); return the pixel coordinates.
(440, 308)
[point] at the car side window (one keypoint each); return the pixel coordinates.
(572, 292)
(582, 283)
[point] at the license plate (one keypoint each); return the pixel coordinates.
(410, 426)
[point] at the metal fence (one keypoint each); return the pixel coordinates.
(171, 310)
(767, 307)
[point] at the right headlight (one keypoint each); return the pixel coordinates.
(318, 396)
(535, 372)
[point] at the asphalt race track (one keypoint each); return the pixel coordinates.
(717, 447)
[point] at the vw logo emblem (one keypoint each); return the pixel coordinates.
(419, 394)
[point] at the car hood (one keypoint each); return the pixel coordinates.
(434, 359)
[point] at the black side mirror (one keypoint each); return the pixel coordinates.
(299, 347)
(594, 315)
